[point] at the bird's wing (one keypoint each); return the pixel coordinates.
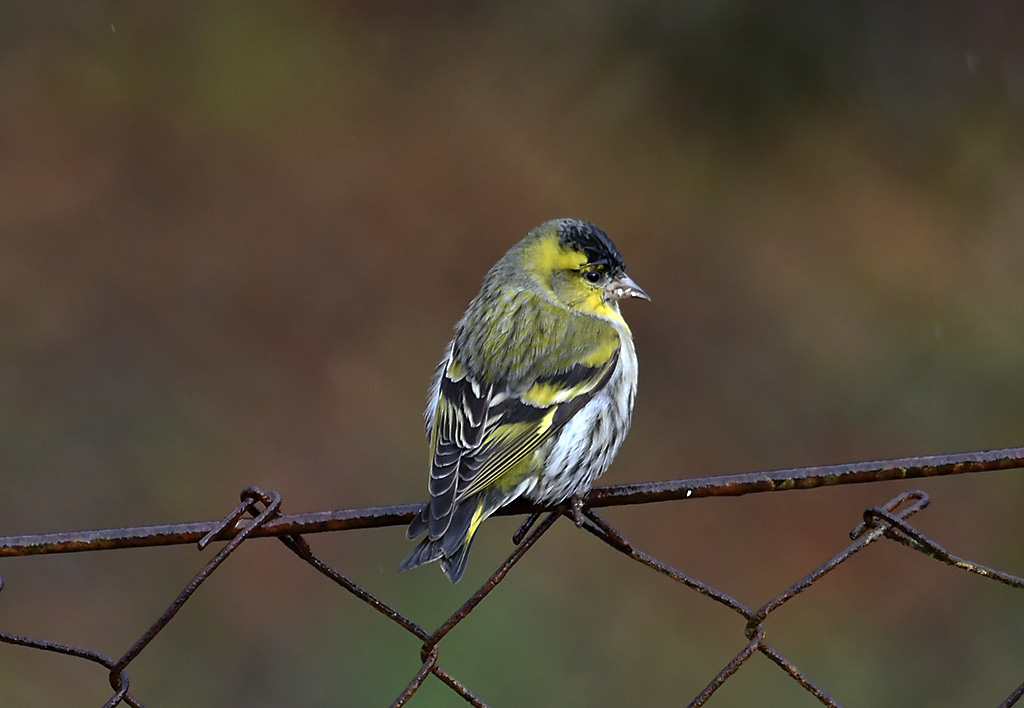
(482, 434)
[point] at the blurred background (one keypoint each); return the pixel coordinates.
(234, 239)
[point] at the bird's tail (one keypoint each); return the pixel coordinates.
(451, 548)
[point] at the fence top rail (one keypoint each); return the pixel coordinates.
(613, 495)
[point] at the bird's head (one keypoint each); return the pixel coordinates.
(579, 265)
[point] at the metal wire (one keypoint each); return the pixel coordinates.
(258, 514)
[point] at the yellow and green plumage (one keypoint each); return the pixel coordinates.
(535, 392)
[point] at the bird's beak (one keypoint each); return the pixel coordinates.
(623, 287)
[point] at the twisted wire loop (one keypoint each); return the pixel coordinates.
(258, 514)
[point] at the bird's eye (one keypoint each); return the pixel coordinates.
(592, 276)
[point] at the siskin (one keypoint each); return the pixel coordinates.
(534, 394)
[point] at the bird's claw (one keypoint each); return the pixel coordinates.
(576, 509)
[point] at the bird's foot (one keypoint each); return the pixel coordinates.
(576, 509)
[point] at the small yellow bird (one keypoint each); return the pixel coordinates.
(535, 392)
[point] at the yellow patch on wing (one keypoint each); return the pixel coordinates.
(478, 518)
(543, 395)
(512, 446)
(455, 370)
(575, 382)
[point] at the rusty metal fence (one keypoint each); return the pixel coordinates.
(258, 514)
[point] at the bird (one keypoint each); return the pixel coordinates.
(534, 394)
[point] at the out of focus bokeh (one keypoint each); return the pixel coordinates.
(234, 239)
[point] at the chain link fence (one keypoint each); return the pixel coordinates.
(258, 514)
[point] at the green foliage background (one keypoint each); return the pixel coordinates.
(234, 238)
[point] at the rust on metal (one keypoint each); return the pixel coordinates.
(258, 514)
(615, 495)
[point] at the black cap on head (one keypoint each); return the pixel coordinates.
(592, 241)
